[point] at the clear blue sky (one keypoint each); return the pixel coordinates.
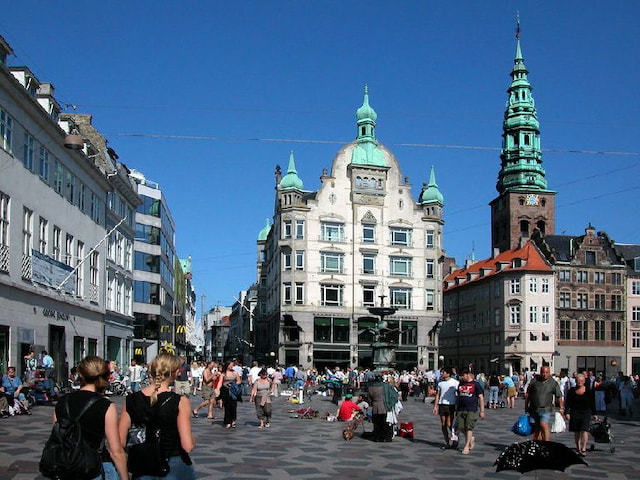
(239, 73)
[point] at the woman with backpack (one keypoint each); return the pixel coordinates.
(98, 422)
(158, 407)
(228, 387)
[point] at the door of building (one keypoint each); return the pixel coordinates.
(58, 352)
(4, 348)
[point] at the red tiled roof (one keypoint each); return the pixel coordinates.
(530, 260)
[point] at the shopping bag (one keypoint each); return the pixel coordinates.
(406, 430)
(522, 426)
(559, 424)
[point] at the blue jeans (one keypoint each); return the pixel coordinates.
(110, 472)
(178, 470)
(135, 387)
(493, 394)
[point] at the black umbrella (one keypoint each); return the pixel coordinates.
(537, 455)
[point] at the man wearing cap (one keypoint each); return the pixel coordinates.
(348, 409)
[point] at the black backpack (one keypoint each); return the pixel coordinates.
(66, 455)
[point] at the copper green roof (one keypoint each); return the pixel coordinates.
(431, 194)
(291, 179)
(264, 233)
(367, 151)
(521, 155)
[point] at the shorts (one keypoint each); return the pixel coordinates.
(466, 420)
(541, 416)
(445, 410)
(207, 393)
(512, 392)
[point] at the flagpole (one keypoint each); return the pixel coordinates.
(59, 287)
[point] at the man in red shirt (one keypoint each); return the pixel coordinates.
(348, 409)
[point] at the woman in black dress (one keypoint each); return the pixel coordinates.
(579, 410)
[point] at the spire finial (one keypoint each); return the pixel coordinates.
(518, 25)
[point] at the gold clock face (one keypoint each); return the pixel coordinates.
(532, 199)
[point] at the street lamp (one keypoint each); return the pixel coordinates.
(441, 361)
(457, 344)
(568, 359)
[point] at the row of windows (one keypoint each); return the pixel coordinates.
(118, 205)
(334, 232)
(596, 330)
(332, 295)
(584, 300)
(333, 262)
(119, 250)
(514, 286)
(119, 295)
(147, 262)
(155, 208)
(336, 330)
(588, 276)
(152, 293)
(535, 314)
(51, 170)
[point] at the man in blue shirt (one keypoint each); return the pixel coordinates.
(470, 397)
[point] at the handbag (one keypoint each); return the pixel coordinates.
(145, 455)
(235, 391)
(406, 430)
(522, 426)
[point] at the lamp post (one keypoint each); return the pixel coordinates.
(568, 360)
(440, 361)
(457, 345)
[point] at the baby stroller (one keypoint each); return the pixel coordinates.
(601, 433)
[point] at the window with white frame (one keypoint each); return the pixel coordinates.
(28, 152)
(564, 275)
(332, 232)
(598, 277)
(599, 300)
(431, 268)
(94, 269)
(616, 278)
(635, 287)
(80, 271)
(430, 239)
(27, 232)
(545, 285)
(43, 231)
(287, 293)
(127, 254)
(368, 233)
(582, 276)
(286, 260)
(119, 295)
(299, 229)
(119, 248)
(6, 130)
(369, 263)
(82, 192)
(599, 332)
(533, 285)
(635, 339)
(635, 314)
(111, 247)
(95, 207)
(43, 164)
(57, 243)
(565, 299)
(582, 300)
(332, 262)
(68, 257)
(71, 187)
(300, 260)
(368, 295)
(299, 293)
(400, 236)
(533, 314)
(4, 220)
(287, 226)
(110, 292)
(514, 286)
(546, 315)
(331, 295)
(400, 297)
(431, 299)
(400, 266)
(127, 299)
(514, 314)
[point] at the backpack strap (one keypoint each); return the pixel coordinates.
(86, 407)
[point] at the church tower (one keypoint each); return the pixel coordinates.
(524, 202)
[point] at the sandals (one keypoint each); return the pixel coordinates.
(194, 413)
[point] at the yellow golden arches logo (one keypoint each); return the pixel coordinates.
(164, 328)
(181, 329)
(138, 351)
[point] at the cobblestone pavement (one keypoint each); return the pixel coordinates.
(314, 448)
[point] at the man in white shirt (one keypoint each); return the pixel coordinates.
(135, 372)
(445, 404)
(254, 373)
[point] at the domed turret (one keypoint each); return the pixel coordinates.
(291, 179)
(366, 111)
(431, 194)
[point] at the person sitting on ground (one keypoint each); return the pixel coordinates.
(348, 409)
(364, 406)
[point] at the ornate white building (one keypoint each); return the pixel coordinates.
(356, 241)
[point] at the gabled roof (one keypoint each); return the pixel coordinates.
(525, 259)
(628, 253)
(564, 247)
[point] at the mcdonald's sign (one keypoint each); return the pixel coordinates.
(164, 328)
(181, 329)
(137, 351)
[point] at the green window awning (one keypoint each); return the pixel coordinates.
(322, 321)
(341, 322)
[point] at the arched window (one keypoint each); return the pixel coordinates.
(524, 228)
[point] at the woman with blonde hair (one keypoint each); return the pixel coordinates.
(168, 411)
(100, 421)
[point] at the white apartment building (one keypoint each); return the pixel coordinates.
(359, 240)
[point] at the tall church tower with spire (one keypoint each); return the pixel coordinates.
(524, 202)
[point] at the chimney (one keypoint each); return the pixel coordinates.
(496, 252)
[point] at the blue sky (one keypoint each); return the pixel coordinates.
(195, 95)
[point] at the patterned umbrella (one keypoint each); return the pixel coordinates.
(537, 455)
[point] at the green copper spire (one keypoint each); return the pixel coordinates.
(291, 179)
(367, 151)
(264, 233)
(521, 156)
(431, 193)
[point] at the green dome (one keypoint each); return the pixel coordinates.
(431, 193)
(264, 233)
(366, 111)
(291, 179)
